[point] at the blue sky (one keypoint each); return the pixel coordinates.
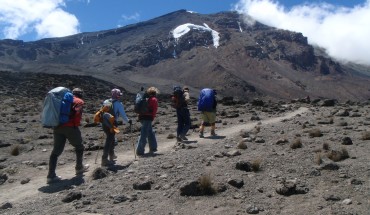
(326, 23)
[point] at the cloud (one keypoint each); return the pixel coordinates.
(133, 17)
(344, 32)
(46, 18)
(127, 19)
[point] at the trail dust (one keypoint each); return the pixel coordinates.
(13, 192)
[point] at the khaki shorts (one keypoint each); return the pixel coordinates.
(209, 117)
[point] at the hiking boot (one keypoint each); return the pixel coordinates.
(53, 180)
(105, 162)
(112, 157)
(81, 170)
(213, 133)
(183, 137)
(178, 139)
(201, 134)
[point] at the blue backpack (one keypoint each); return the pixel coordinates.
(57, 107)
(206, 100)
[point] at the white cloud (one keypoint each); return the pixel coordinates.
(133, 17)
(46, 18)
(343, 32)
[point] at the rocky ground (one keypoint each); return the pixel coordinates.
(268, 158)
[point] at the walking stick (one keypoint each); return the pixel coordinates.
(133, 142)
(96, 158)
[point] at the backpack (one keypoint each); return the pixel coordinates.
(141, 103)
(178, 98)
(206, 100)
(57, 107)
(107, 107)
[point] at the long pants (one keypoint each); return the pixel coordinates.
(146, 133)
(183, 121)
(109, 143)
(61, 135)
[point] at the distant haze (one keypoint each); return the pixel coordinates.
(343, 32)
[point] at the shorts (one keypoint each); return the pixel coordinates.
(209, 117)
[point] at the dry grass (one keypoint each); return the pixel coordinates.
(338, 155)
(206, 185)
(365, 135)
(318, 158)
(297, 143)
(256, 165)
(15, 150)
(315, 132)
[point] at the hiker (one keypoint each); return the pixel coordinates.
(146, 120)
(110, 129)
(69, 131)
(180, 99)
(207, 105)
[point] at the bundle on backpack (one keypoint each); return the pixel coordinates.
(107, 107)
(141, 103)
(178, 98)
(57, 107)
(105, 115)
(206, 100)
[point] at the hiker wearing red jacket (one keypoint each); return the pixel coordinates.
(146, 120)
(68, 131)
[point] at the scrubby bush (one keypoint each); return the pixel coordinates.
(256, 165)
(338, 155)
(206, 185)
(365, 135)
(15, 150)
(318, 158)
(315, 132)
(297, 143)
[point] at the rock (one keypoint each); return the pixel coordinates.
(238, 183)
(190, 189)
(146, 185)
(342, 113)
(75, 195)
(233, 153)
(259, 140)
(25, 181)
(6, 205)
(119, 199)
(99, 173)
(329, 166)
(253, 210)
(287, 188)
(243, 165)
(331, 197)
(347, 141)
(347, 202)
(3, 178)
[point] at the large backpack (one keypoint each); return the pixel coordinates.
(141, 103)
(178, 98)
(57, 107)
(206, 100)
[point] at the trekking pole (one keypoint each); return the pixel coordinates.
(133, 143)
(96, 158)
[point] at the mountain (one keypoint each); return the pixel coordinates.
(220, 51)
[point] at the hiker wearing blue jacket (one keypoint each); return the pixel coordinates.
(207, 104)
(118, 111)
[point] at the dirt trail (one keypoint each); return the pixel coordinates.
(14, 192)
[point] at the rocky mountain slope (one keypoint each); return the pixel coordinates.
(219, 51)
(267, 158)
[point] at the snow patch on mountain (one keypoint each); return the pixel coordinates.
(181, 30)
